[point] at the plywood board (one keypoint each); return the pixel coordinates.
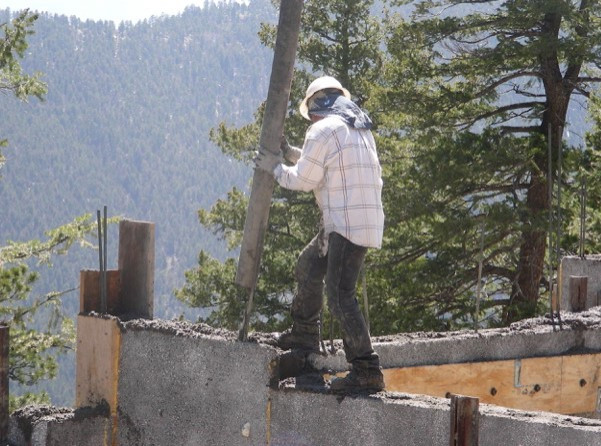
(97, 368)
(562, 384)
(580, 383)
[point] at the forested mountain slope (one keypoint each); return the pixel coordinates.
(125, 123)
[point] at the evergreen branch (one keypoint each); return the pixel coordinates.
(528, 106)
(40, 303)
(499, 271)
(574, 66)
(520, 129)
(488, 89)
(588, 79)
(516, 89)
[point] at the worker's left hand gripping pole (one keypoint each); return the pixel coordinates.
(272, 129)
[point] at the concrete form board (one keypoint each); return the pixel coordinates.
(96, 363)
(575, 266)
(192, 391)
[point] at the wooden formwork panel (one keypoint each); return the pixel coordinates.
(97, 368)
(561, 384)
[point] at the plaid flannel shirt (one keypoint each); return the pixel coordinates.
(340, 165)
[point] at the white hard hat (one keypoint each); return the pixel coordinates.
(321, 83)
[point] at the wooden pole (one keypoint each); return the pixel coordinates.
(465, 421)
(578, 292)
(136, 264)
(4, 367)
(271, 132)
(272, 129)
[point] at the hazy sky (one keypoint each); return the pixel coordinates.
(115, 10)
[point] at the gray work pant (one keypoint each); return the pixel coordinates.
(340, 268)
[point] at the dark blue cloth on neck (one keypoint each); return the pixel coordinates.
(339, 105)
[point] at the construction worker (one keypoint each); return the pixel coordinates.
(339, 163)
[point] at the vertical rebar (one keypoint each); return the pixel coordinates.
(550, 195)
(4, 373)
(559, 173)
(103, 304)
(582, 216)
(100, 259)
(558, 241)
(479, 290)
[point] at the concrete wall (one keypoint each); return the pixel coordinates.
(184, 384)
(579, 333)
(50, 426)
(191, 389)
(309, 419)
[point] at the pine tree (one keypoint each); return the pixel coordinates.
(12, 48)
(33, 350)
(471, 93)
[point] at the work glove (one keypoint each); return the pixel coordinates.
(291, 153)
(284, 146)
(267, 161)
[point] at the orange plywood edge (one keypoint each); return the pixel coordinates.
(561, 384)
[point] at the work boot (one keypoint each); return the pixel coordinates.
(359, 381)
(292, 340)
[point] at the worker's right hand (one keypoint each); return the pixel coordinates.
(267, 161)
(290, 153)
(284, 146)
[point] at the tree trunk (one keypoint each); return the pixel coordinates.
(558, 90)
(525, 289)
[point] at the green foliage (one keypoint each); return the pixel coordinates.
(588, 165)
(32, 355)
(467, 95)
(12, 48)
(13, 45)
(34, 349)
